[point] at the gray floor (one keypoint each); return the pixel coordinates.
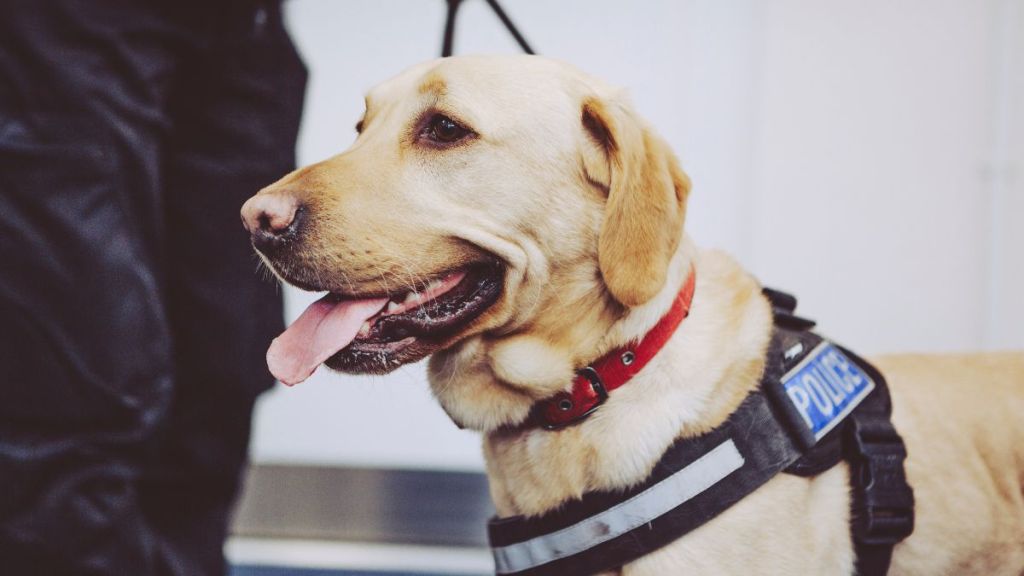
(284, 506)
(365, 505)
(281, 571)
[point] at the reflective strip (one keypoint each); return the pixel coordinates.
(625, 516)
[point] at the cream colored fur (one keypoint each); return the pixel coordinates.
(590, 227)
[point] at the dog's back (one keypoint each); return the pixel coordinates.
(962, 417)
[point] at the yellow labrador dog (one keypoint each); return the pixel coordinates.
(514, 219)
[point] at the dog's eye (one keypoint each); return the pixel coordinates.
(443, 130)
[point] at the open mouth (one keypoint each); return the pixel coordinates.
(376, 334)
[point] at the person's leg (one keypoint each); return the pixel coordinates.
(85, 350)
(235, 116)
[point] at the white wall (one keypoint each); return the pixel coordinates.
(868, 156)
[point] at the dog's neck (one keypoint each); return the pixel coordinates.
(701, 375)
(634, 323)
(593, 383)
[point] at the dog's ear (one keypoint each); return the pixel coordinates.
(646, 205)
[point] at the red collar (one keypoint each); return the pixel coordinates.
(593, 383)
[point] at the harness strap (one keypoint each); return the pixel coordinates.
(882, 506)
(775, 429)
(694, 481)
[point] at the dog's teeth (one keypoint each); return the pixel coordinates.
(433, 285)
(364, 330)
(392, 306)
(412, 298)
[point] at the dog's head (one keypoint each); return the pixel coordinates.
(485, 200)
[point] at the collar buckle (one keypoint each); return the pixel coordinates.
(596, 383)
(566, 403)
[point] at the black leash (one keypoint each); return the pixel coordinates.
(449, 27)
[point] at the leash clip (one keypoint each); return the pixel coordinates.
(883, 511)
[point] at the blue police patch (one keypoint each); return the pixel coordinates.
(824, 387)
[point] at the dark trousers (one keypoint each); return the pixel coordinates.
(133, 324)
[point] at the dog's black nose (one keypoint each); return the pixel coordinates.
(271, 219)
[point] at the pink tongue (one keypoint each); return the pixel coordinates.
(327, 326)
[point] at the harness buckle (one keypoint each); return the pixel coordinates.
(883, 501)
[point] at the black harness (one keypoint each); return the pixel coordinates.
(698, 478)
